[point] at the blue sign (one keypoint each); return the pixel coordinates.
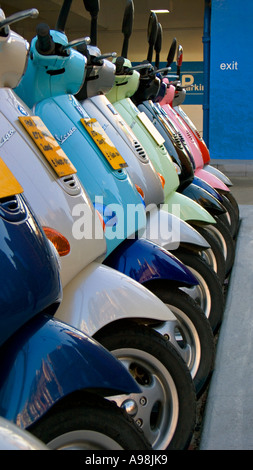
(231, 69)
(192, 74)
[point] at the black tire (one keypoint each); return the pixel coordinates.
(89, 422)
(229, 218)
(168, 410)
(191, 336)
(213, 255)
(226, 241)
(209, 293)
(225, 219)
(231, 205)
(234, 203)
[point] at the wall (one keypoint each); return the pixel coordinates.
(230, 114)
(185, 23)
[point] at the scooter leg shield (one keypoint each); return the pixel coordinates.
(214, 171)
(100, 295)
(47, 360)
(211, 179)
(170, 231)
(145, 261)
(187, 209)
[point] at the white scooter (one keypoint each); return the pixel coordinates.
(14, 438)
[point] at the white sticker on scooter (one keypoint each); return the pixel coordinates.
(151, 128)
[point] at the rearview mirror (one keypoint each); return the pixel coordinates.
(179, 56)
(172, 52)
(127, 25)
(158, 44)
(92, 6)
(152, 34)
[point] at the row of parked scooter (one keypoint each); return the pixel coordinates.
(117, 236)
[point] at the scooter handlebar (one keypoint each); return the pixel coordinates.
(77, 42)
(22, 15)
(104, 56)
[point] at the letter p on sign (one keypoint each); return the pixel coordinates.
(187, 80)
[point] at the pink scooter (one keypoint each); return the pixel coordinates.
(220, 230)
(228, 199)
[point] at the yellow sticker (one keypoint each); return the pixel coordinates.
(9, 186)
(47, 144)
(104, 143)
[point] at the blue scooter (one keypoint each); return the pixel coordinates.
(53, 378)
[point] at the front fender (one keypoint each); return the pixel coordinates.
(169, 231)
(99, 296)
(145, 261)
(214, 171)
(205, 199)
(187, 209)
(47, 360)
(211, 179)
(203, 184)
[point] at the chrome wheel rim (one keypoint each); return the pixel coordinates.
(83, 440)
(184, 337)
(200, 293)
(209, 257)
(219, 237)
(156, 409)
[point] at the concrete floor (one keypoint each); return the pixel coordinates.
(242, 189)
(240, 173)
(228, 418)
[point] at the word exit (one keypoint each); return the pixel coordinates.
(231, 66)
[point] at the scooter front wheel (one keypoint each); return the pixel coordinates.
(213, 256)
(89, 422)
(229, 218)
(208, 293)
(190, 334)
(234, 204)
(166, 408)
(230, 204)
(224, 237)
